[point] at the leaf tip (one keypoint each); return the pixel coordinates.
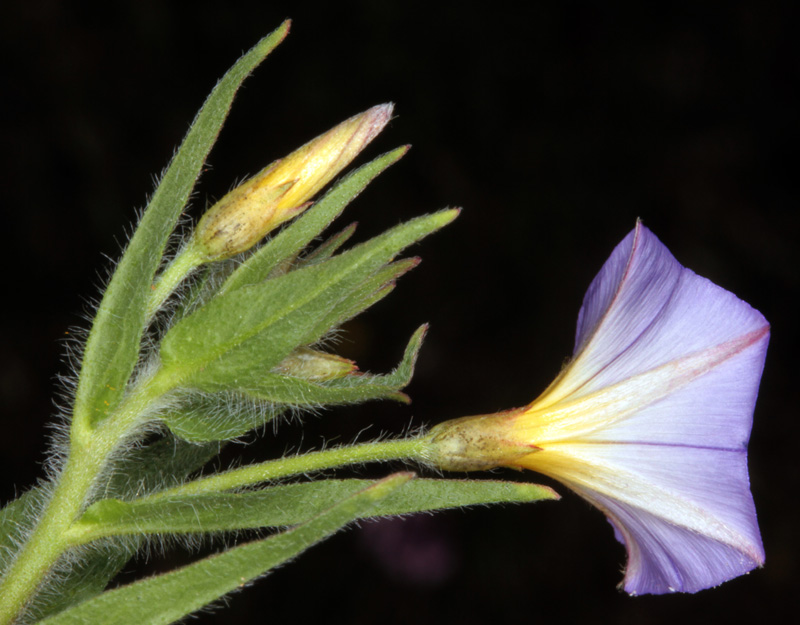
(448, 215)
(400, 397)
(546, 492)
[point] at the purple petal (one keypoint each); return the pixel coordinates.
(643, 310)
(685, 514)
(713, 409)
(651, 420)
(666, 558)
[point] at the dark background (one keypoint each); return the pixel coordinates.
(554, 127)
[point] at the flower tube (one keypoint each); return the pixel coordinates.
(649, 421)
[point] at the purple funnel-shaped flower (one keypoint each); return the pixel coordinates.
(649, 421)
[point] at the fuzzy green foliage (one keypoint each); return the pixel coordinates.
(164, 381)
(151, 466)
(283, 505)
(171, 596)
(113, 345)
(231, 341)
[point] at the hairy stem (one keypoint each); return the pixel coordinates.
(89, 453)
(181, 266)
(382, 451)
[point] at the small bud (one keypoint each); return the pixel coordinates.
(283, 189)
(313, 365)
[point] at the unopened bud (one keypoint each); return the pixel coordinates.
(313, 365)
(283, 189)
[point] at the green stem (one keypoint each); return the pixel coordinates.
(46, 543)
(188, 259)
(403, 449)
(89, 453)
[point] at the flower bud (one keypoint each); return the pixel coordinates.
(311, 364)
(283, 189)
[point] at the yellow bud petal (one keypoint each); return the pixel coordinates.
(284, 188)
(316, 163)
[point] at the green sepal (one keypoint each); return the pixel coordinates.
(112, 348)
(353, 388)
(259, 325)
(286, 505)
(211, 418)
(288, 243)
(171, 596)
(328, 248)
(367, 294)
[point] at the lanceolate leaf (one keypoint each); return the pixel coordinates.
(113, 345)
(88, 577)
(287, 505)
(171, 596)
(292, 239)
(260, 325)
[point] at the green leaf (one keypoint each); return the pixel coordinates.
(259, 325)
(435, 494)
(353, 388)
(171, 596)
(288, 243)
(113, 346)
(286, 505)
(214, 418)
(162, 462)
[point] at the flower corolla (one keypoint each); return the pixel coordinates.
(649, 421)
